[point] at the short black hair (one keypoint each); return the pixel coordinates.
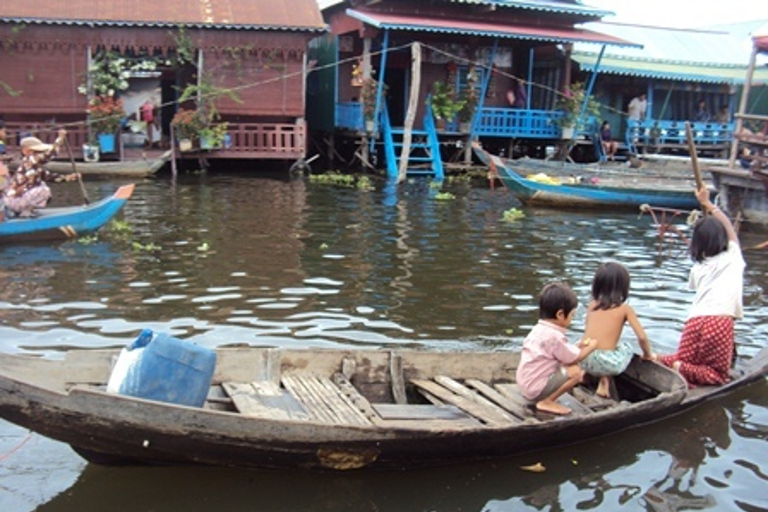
(709, 239)
(553, 298)
(610, 286)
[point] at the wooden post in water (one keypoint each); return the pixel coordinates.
(742, 108)
(413, 104)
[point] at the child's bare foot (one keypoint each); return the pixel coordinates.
(604, 388)
(552, 407)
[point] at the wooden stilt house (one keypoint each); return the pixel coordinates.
(237, 68)
(412, 105)
(687, 75)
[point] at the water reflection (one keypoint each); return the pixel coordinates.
(226, 260)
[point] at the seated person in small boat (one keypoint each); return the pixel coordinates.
(606, 315)
(707, 346)
(548, 363)
(27, 189)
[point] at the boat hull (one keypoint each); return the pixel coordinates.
(143, 168)
(742, 191)
(614, 191)
(66, 222)
(106, 428)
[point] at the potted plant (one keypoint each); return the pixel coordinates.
(187, 125)
(368, 92)
(445, 104)
(469, 101)
(570, 104)
(104, 115)
(213, 136)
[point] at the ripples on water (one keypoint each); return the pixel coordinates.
(228, 260)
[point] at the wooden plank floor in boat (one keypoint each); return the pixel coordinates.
(471, 404)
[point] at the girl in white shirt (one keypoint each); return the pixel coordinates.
(707, 344)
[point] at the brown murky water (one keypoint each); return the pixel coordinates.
(223, 259)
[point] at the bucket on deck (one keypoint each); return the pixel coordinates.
(163, 368)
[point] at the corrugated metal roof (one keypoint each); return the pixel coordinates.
(480, 28)
(668, 70)
(687, 46)
(562, 7)
(303, 15)
(676, 54)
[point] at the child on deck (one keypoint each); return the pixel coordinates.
(706, 346)
(606, 315)
(548, 362)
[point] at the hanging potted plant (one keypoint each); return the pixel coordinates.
(570, 104)
(104, 115)
(445, 104)
(368, 92)
(187, 125)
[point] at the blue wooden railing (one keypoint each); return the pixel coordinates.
(661, 133)
(543, 124)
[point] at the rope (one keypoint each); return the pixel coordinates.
(17, 447)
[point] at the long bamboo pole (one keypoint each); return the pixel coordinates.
(413, 105)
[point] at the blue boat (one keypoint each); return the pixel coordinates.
(598, 191)
(65, 222)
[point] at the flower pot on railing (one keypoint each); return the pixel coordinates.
(107, 142)
(90, 153)
(185, 145)
(566, 133)
(369, 125)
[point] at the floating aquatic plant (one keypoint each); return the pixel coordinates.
(513, 214)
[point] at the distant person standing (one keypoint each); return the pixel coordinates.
(637, 108)
(148, 116)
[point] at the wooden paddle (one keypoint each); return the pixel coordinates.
(694, 156)
(74, 169)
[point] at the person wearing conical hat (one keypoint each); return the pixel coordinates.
(27, 189)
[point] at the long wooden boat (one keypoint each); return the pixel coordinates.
(64, 222)
(616, 190)
(133, 168)
(334, 409)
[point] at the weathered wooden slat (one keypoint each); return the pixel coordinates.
(309, 399)
(324, 401)
(577, 408)
(513, 407)
(593, 402)
(474, 408)
(466, 392)
(419, 412)
(358, 400)
(396, 374)
(335, 398)
(247, 402)
(511, 391)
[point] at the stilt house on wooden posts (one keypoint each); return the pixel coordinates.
(678, 70)
(465, 83)
(232, 73)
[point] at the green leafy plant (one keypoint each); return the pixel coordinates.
(445, 103)
(368, 92)
(215, 134)
(570, 104)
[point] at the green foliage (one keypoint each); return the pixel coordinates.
(444, 196)
(513, 214)
(570, 103)
(109, 72)
(445, 104)
(215, 134)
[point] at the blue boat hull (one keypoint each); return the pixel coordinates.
(63, 223)
(655, 192)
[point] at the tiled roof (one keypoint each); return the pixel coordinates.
(229, 14)
(482, 28)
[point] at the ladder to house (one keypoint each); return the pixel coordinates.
(424, 155)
